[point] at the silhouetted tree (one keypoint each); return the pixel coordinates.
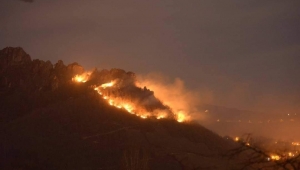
(253, 156)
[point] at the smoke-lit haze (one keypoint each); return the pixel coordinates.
(172, 93)
(237, 54)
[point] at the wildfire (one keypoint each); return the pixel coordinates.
(291, 154)
(122, 104)
(81, 78)
(129, 106)
(181, 116)
(110, 84)
(275, 157)
(173, 94)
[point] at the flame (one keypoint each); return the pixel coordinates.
(110, 84)
(127, 107)
(173, 94)
(143, 116)
(291, 154)
(161, 115)
(111, 102)
(132, 108)
(181, 116)
(82, 78)
(275, 157)
(121, 103)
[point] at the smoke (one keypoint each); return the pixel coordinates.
(173, 93)
(28, 1)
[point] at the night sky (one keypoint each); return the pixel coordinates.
(241, 54)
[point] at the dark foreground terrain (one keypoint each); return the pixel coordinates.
(49, 122)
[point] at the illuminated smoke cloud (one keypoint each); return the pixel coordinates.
(182, 101)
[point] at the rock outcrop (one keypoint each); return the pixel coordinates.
(32, 76)
(10, 56)
(18, 70)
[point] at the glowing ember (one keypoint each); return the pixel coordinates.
(275, 157)
(236, 139)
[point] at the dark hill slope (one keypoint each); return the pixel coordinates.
(51, 123)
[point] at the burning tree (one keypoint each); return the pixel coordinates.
(255, 156)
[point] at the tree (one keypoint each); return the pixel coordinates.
(254, 156)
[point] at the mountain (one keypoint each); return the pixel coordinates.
(48, 120)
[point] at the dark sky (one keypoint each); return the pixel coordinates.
(242, 54)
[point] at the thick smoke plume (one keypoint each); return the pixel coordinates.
(173, 93)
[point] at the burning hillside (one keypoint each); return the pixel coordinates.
(57, 116)
(52, 115)
(119, 89)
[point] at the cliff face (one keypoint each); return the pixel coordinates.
(17, 70)
(49, 122)
(26, 84)
(13, 56)
(37, 77)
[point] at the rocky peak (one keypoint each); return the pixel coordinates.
(18, 70)
(13, 56)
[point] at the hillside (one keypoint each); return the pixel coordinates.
(48, 121)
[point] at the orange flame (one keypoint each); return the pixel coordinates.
(275, 157)
(132, 108)
(173, 94)
(181, 116)
(82, 78)
(110, 84)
